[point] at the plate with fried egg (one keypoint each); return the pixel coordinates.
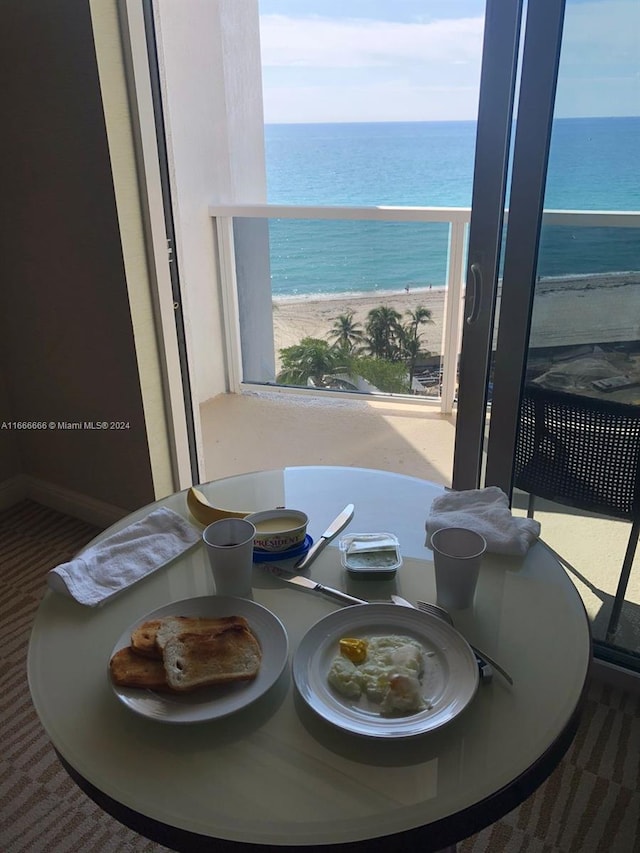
(385, 671)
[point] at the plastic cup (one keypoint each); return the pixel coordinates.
(229, 545)
(457, 554)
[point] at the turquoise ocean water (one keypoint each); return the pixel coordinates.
(594, 164)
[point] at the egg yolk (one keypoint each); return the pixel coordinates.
(354, 649)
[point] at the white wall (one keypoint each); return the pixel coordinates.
(209, 52)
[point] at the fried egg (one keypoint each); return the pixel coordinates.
(389, 675)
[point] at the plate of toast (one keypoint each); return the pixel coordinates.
(198, 659)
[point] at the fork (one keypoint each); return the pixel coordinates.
(441, 613)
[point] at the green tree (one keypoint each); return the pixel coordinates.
(347, 335)
(384, 332)
(387, 376)
(417, 317)
(312, 359)
(411, 337)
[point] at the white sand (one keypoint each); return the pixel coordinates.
(580, 309)
(301, 317)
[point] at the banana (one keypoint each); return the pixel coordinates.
(204, 512)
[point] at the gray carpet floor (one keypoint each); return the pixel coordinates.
(590, 804)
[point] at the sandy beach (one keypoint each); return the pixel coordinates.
(579, 309)
(301, 317)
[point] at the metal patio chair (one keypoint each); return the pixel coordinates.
(582, 452)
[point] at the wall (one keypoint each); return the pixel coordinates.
(10, 462)
(209, 52)
(66, 339)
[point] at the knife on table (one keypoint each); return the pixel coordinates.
(308, 583)
(332, 530)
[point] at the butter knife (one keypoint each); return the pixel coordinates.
(332, 530)
(308, 583)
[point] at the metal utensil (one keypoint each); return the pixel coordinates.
(309, 583)
(332, 530)
(443, 614)
(486, 671)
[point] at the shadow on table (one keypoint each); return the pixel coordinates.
(393, 752)
(213, 732)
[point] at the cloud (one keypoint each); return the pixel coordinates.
(601, 34)
(320, 68)
(353, 69)
(316, 42)
(599, 63)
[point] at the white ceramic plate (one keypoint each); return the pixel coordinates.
(449, 682)
(219, 701)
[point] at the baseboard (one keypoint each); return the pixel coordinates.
(24, 486)
(12, 491)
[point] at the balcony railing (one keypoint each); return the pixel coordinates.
(243, 261)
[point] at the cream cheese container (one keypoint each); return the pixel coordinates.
(373, 554)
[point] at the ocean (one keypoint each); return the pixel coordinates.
(594, 164)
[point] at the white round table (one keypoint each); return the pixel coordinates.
(275, 773)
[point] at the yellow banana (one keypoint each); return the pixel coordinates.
(204, 512)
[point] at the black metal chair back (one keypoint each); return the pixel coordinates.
(582, 452)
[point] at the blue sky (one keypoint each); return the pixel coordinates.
(419, 60)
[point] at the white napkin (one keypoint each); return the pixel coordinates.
(487, 512)
(123, 558)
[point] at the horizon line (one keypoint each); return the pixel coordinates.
(433, 120)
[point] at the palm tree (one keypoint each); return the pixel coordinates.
(411, 338)
(410, 351)
(384, 332)
(347, 335)
(417, 317)
(312, 359)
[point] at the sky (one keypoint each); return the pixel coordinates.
(419, 60)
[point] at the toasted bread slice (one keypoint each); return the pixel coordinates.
(143, 639)
(193, 660)
(173, 625)
(149, 638)
(131, 670)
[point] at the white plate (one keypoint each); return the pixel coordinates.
(448, 685)
(210, 703)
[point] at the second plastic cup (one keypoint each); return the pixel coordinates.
(457, 554)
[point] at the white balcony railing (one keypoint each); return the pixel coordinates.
(458, 221)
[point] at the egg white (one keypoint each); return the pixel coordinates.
(388, 677)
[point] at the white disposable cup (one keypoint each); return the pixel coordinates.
(229, 545)
(457, 554)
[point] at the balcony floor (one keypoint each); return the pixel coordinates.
(251, 432)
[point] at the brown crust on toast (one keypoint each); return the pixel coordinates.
(143, 639)
(128, 669)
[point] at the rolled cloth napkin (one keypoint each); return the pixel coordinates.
(487, 512)
(123, 558)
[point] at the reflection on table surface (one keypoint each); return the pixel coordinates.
(308, 782)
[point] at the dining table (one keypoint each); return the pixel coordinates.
(284, 762)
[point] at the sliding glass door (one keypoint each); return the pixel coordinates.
(560, 310)
(584, 339)
(501, 269)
